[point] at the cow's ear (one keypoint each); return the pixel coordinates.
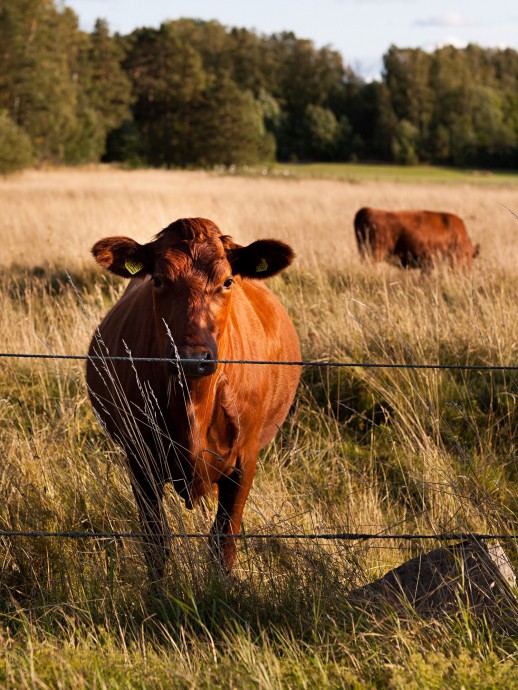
(123, 256)
(261, 259)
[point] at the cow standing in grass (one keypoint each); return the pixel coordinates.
(193, 296)
(415, 238)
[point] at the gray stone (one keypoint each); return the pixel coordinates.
(470, 574)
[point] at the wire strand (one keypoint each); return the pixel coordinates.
(309, 363)
(335, 536)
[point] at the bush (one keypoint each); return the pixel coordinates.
(15, 146)
(404, 145)
(323, 132)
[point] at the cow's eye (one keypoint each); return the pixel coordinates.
(228, 283)
(157, 282)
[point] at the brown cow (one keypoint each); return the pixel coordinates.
(415, 238)
(194, 295)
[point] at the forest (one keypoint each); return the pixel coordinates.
(197, 93)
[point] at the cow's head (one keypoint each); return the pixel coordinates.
(192, 270)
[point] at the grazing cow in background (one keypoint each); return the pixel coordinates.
(194, 295)
(415, 238)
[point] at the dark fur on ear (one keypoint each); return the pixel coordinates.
(122, 256)
(261, 259)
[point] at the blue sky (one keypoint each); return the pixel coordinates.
(361, 30)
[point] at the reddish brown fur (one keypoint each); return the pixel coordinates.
(208, 432)
(415, 238)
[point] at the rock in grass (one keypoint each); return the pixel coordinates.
(470, 575)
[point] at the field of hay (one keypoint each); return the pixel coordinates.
(418, 451)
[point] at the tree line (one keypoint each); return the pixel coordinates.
(197, 93)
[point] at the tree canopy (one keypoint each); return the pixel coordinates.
(197, 93)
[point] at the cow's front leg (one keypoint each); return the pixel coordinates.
(233, 491)
(149, 492)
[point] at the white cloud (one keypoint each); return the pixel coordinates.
(450, 19)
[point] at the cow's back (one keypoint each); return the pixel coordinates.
(426, 235)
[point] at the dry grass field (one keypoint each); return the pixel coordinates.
(59, 214)
(364, 450)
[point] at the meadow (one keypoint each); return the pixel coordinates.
(362, 172)
(385, 450)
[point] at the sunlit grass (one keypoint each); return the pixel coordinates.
(364, 450)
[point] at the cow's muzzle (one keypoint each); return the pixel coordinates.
(194, 362)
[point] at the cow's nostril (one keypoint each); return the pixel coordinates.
(197, 363)
(204, 366)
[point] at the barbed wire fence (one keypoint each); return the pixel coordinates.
(313, 536)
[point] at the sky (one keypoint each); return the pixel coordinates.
(361, 30)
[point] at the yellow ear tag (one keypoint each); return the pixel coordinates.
(133, 266)
(261, 266)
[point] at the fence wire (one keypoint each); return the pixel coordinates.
(335, 536)
(303, 363)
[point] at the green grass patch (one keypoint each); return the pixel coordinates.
(360, 172)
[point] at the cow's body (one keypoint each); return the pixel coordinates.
(205, 426)
(415, 238)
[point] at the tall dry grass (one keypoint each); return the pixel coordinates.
(54, 217)
(364, 450)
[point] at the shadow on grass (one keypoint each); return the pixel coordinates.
(52, 280)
